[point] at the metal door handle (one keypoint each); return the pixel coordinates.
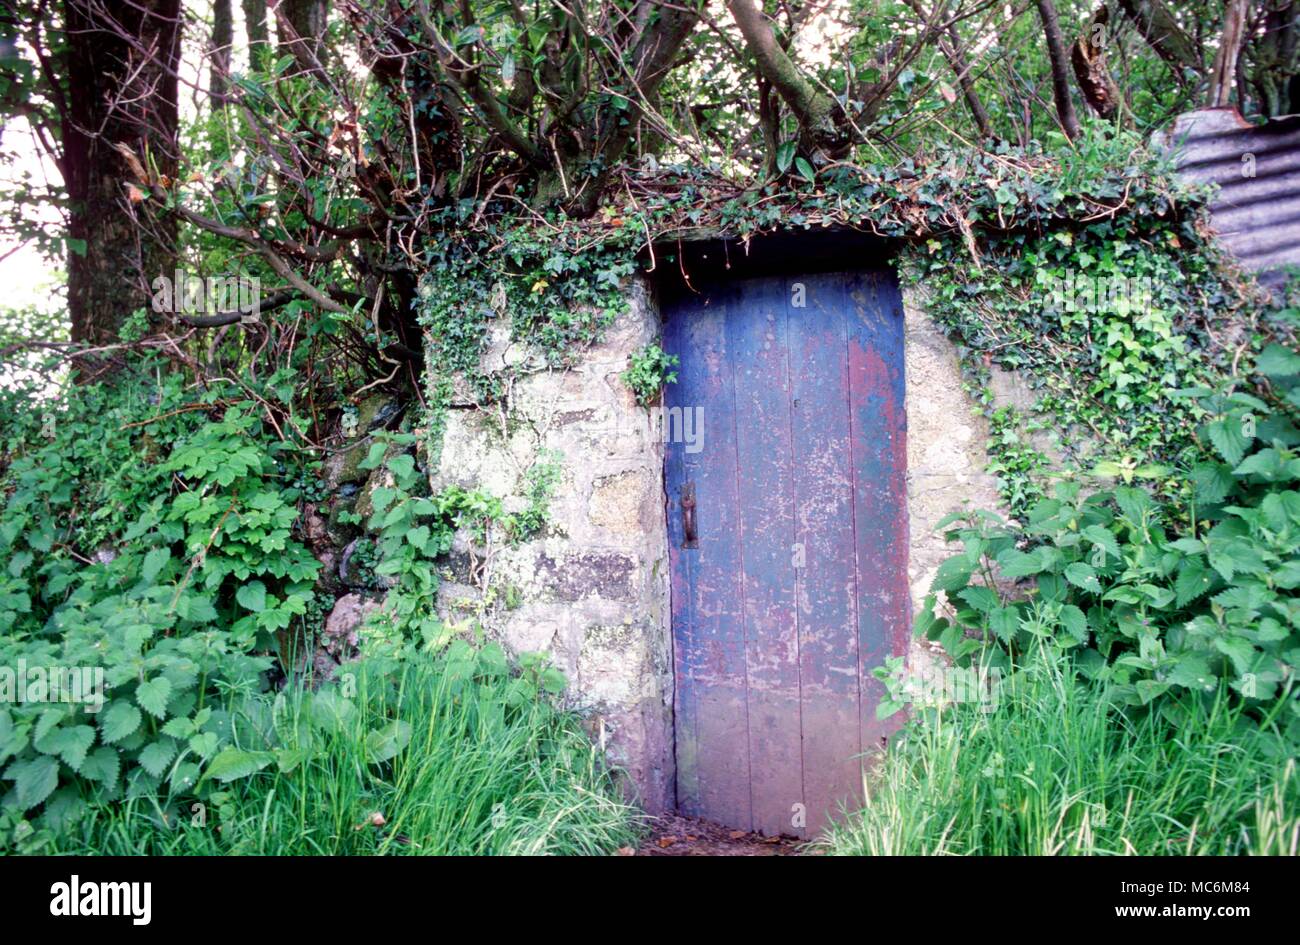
(689, 530)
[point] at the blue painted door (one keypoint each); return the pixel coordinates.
(788, 540)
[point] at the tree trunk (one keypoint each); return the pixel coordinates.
(957, 59)
(1088, 56)
(258, 34)
(308, 19)
(223, 34)
(811, 107)
(1060, 69)
(1224, 72)
(120, 69)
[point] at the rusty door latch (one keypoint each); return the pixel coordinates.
(689, 531)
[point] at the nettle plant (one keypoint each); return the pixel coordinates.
(1165, 607)
(147, 533)
(412, 527)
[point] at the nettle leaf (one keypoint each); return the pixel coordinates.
(235, 763)
(1226, 435)
(153, 695)
(252, 596)
(1268, 464)
(1074, 623)
(1103, 538)
(155, 756)
(1004, 622)
(402, 467)
(49, 719)
(119, 720)
(153, 563)
(1193, 580)
(179, 728)
(1277, 361)
(981, 598)
(1213, 482)
(418, 536)
(69, 743)
(34, 780)
(1238, 649)
(184, 778)
(952, 575)
(204, 744)
(19, 562)
(101, 765)
(1017, 564)
(1083, 576)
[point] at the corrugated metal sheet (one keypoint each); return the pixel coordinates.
(1257, 167)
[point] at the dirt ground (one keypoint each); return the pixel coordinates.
(673, 835)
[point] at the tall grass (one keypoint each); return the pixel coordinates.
(489, 768)
(1056, 769)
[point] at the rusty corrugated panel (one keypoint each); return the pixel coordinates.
(1257, 168)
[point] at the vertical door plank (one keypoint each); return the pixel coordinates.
(686, 391)
(875, 356)
(824, 477)
(711, 667)
(757, 338)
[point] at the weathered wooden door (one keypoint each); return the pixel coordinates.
(789, 559)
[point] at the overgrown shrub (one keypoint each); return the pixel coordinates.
(146, 532)
(1158, 604)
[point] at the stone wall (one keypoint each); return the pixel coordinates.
(946, 454)
(592, 589)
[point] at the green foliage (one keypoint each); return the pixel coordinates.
(1158, 607)
(1058, 765)
(649, 369)
(147, 530)
(446, 754)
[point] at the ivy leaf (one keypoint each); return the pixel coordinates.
(153, 695)
(119, 720)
